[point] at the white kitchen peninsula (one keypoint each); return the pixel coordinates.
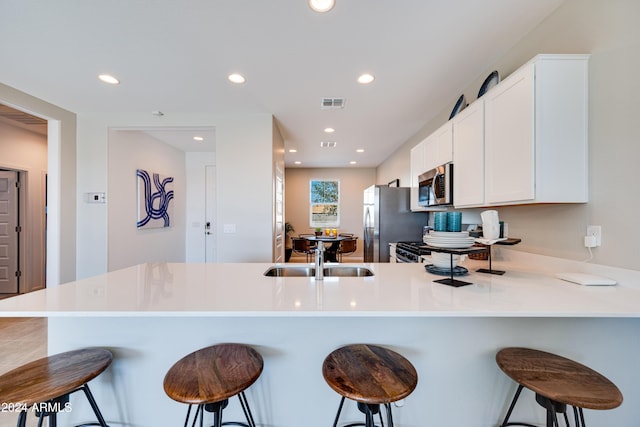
(153, 314)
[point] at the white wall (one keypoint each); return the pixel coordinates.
(128, 245)
(244, 182)
(27, 152)
(353, 181)
(608, 31)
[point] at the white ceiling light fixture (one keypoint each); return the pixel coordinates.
(329, 130)
(321, 5)
(198, 138)
(360, 150)
(293, 150)
(365, 79)
(353, 162)
(236, 78)
(297, 162)
(107, 78)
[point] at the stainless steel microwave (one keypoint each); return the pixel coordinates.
(435, 187)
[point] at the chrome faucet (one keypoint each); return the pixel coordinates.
(319, 260)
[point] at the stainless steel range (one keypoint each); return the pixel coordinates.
(411, 251)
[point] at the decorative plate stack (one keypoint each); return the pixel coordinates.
(449, 239)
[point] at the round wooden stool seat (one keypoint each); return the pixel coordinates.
(213, 373)
(53, 377)
(560, 380)
(210, 376)
(369, 374)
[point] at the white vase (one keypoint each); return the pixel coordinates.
(490, 225)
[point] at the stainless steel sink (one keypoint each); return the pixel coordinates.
(332, 271)
(280, 271)
(347, 271)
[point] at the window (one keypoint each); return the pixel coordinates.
(324, 203)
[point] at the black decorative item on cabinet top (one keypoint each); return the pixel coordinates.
(460, 105)
(491, 80)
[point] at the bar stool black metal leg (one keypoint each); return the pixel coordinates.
(94, 405)
(217, 418)
(22, 419)
(186, 420)
(246, 409)
(582, 417)
(506, 422)
(335, 422)
(199, 409)
(389, 415)
(548, 404)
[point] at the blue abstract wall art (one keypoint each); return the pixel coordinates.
(155, 193)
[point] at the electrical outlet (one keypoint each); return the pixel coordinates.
(595, 231)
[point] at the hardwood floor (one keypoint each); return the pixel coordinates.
(21, 340)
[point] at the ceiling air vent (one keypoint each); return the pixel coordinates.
(328, 144)
(332, 103)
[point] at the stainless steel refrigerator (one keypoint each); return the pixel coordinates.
(387, 219)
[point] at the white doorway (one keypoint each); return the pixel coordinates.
(9, 232)
(210, 253)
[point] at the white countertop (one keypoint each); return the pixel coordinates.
(396, 290)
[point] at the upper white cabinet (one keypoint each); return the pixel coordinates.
(468, 156)
(536, 126)
(433, 151)
(417, 168)
(524, 141)
(438, 147)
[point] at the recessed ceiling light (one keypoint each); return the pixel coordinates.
(293, 150)
(321, 5)
(353, 162)
(297, 162)
(366, 79)
(198, 138)
(360, 150)
(109, 79)
(236, 78)
(329, 130)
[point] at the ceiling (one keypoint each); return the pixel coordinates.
(174, 56)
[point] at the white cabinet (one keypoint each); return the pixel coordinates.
(433, 151)
(468, 156)
(524, 141)
(536, 133)
(438, 147)
(417, 167)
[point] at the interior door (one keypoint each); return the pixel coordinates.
(8, 232)
(210, 214)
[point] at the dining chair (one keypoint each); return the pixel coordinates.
(347, 246)
(303, 246)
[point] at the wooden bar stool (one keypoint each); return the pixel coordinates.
(371, 376)
(48, 382)
(557, 382)
(210, 376)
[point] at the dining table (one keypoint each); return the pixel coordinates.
(330, 254)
